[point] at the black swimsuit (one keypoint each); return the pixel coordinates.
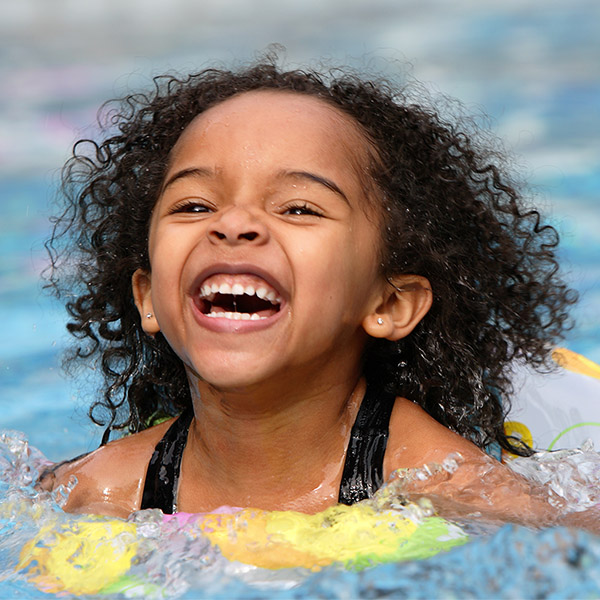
(363, 469)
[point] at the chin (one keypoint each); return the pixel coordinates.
(237, 376)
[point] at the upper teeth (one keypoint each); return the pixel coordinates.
(209, 291)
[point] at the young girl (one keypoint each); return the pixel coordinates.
(317, 281)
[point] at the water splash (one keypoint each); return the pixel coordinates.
(172, 560)
(572, 477)
(150, 556)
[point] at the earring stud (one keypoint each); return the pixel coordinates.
(148, 315)
(379, 321)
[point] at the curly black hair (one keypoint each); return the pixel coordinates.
(449, 213)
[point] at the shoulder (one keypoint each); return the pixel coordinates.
(110, 480)
(416, 439)
(479, 485)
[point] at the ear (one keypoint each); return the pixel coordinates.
(404, 302)
(141, 284)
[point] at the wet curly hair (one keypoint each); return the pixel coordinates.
(448, 212)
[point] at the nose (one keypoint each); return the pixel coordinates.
(237, 225)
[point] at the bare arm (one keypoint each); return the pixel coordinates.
(108, 481)
(463, 482)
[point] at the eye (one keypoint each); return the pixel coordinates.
(302, 209)
(190, 206)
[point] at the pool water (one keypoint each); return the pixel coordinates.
(173, 560)
(534, 72)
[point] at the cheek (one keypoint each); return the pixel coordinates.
(340, 271)
(361, 266)
(361, 250)
(167, 250)
(166, 264)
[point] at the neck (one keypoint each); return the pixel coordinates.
(271, 448)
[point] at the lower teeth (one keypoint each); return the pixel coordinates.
(235, 316)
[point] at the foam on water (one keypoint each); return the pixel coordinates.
(573, 476)
(172, 560)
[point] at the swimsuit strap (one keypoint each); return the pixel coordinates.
(162, 476)
(363, 468)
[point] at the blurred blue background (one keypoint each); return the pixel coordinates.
(532, 66)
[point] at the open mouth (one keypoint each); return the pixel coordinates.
(244, 301)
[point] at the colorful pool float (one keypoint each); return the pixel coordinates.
(93, 555)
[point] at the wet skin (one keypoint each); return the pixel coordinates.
(268, 191)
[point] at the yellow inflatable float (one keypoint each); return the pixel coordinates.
(93, 555)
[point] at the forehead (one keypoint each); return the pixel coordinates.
(279, 120)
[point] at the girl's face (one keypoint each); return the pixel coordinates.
(263, 244)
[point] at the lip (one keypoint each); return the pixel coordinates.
(229, 325)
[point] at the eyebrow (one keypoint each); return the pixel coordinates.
(191, 172)
(317, 179)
